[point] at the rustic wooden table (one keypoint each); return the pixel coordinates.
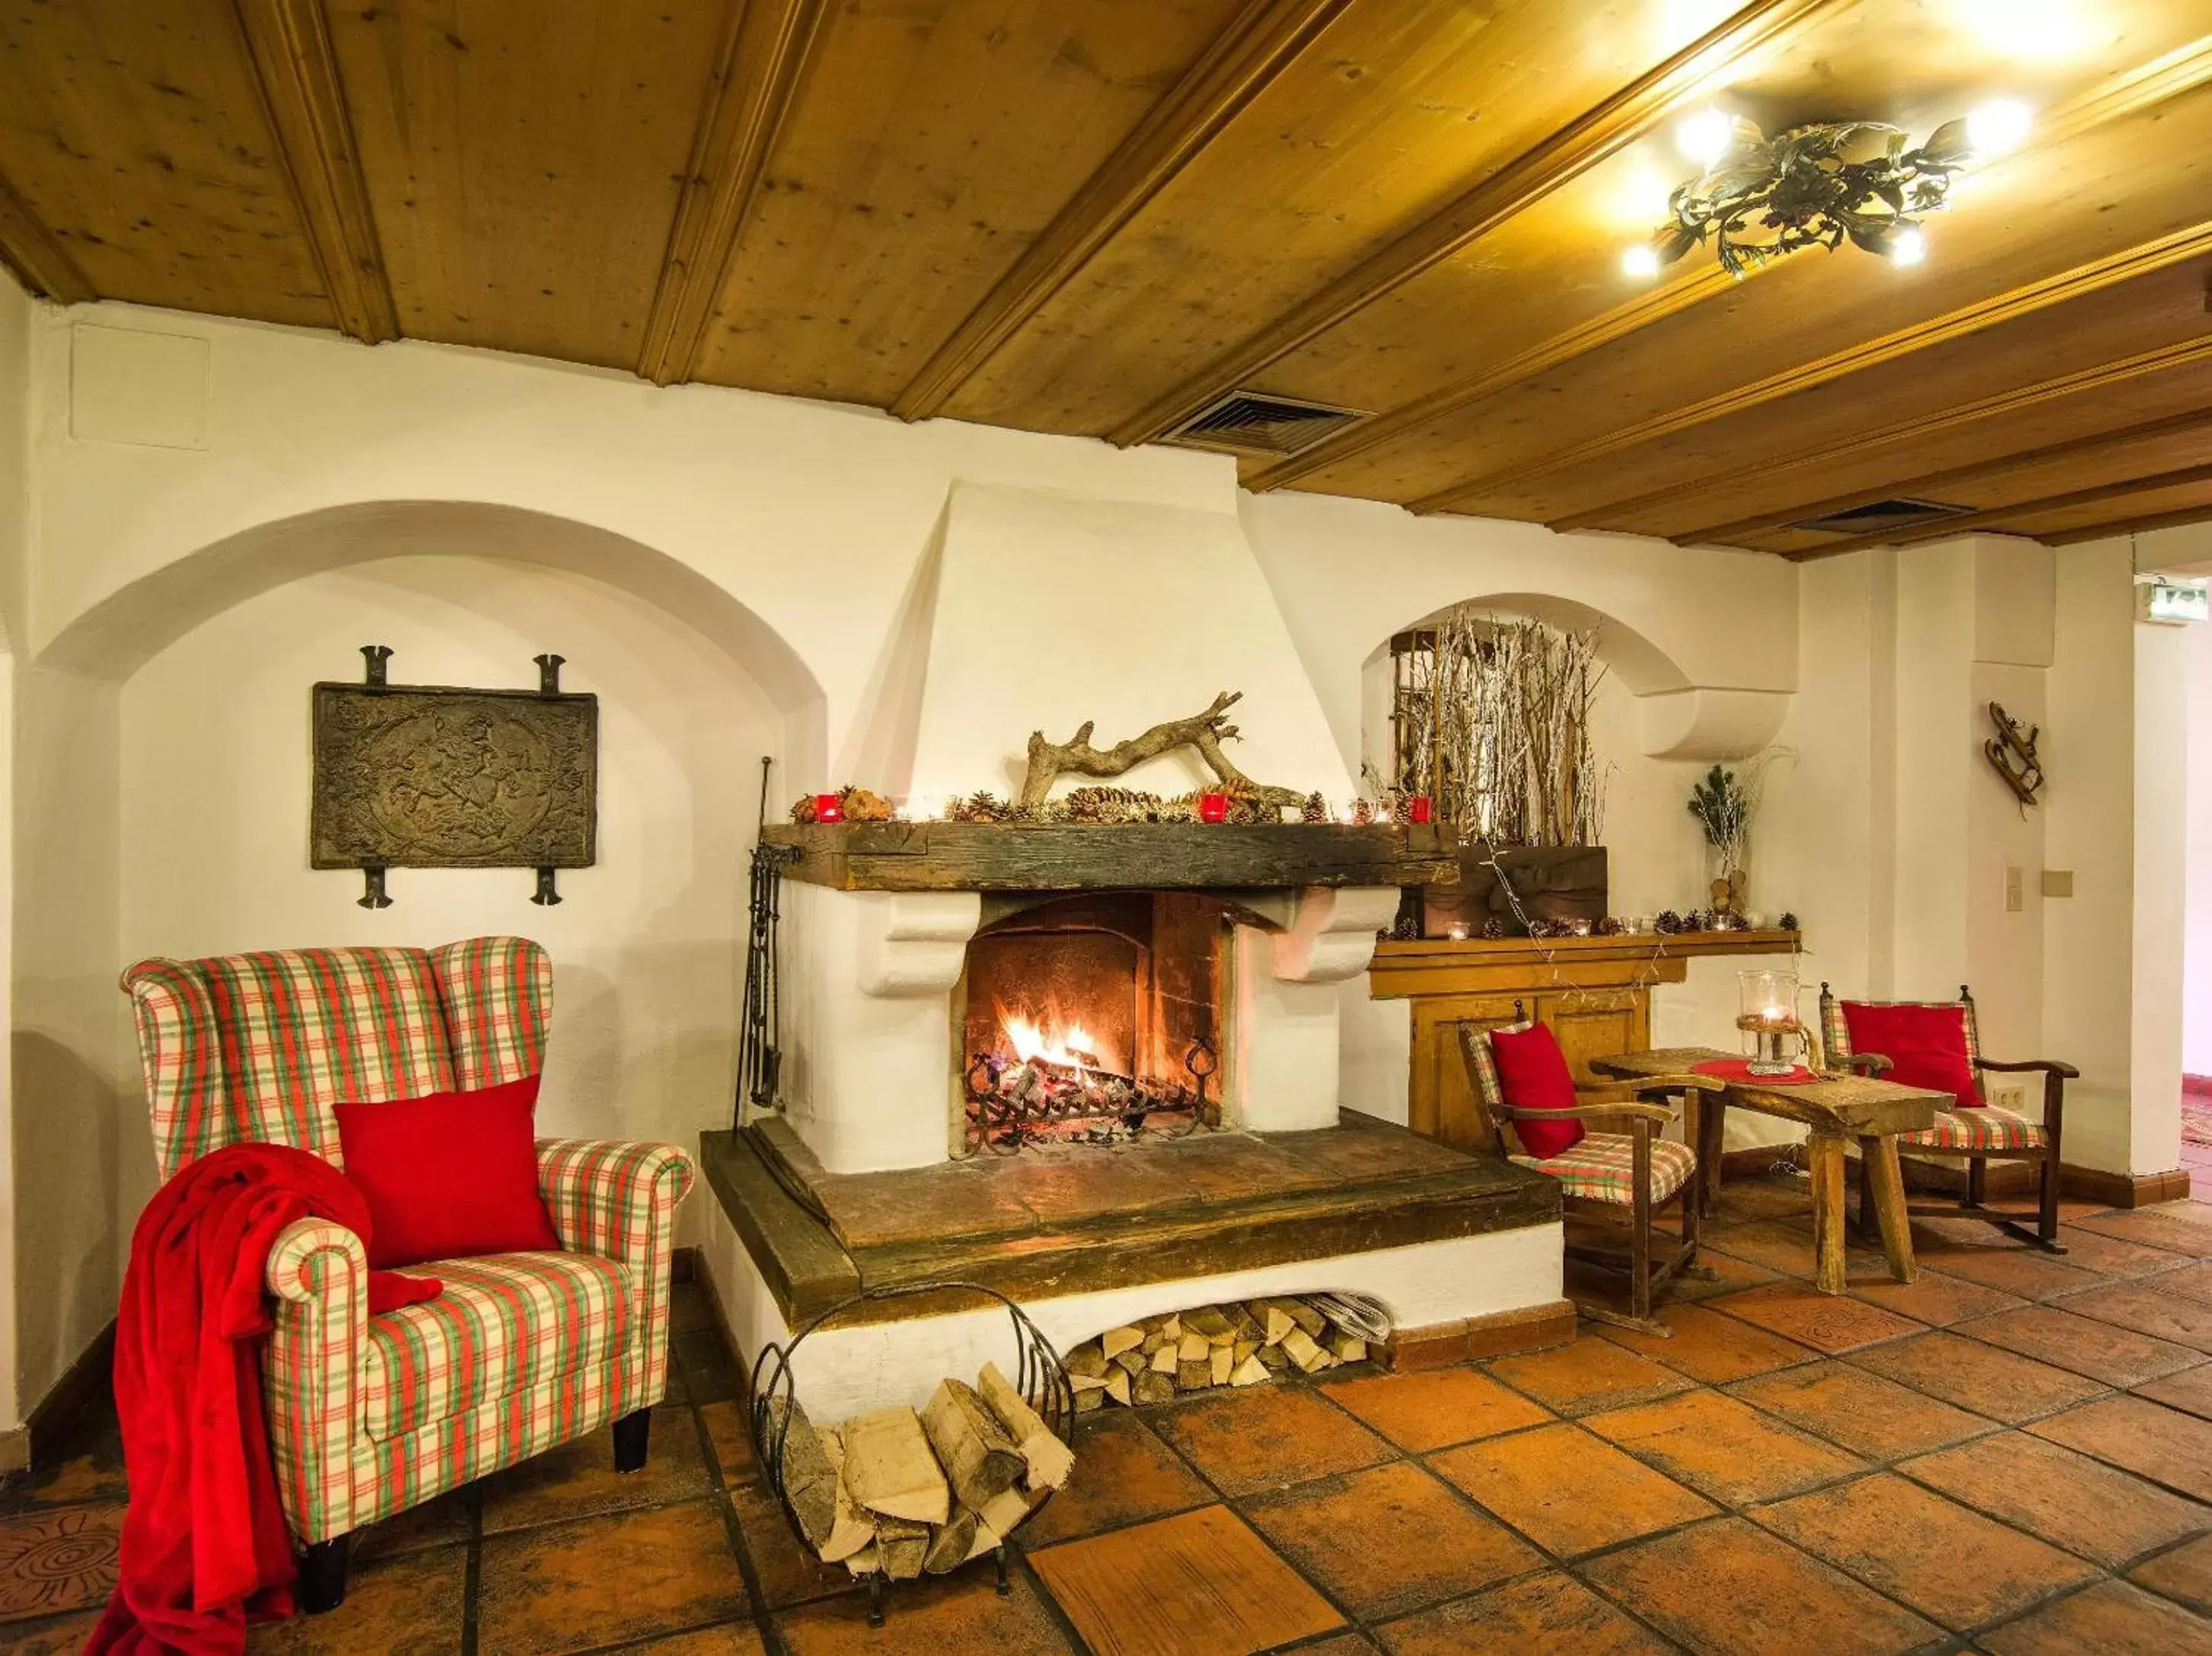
(1836, 1109)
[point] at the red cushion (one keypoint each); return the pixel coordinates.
(1926, 1046)
(449, 1175)
(1534, 1073)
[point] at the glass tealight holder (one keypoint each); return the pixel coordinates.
(1767, 1017)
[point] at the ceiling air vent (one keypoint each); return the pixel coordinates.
(1878, 515)
(1248, 423)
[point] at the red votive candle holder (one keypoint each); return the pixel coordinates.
(1213, 807)
(828, 808)
(1416, 808)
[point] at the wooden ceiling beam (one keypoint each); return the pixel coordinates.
(1262, 40)
(1566, 154)
(1965, 523)
(756, 84)
(2121, 95)
(1934, 484)
(36, 255)
(295, 70)
(2104, 531)
(2067, 285)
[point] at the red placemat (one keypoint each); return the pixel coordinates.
(1739, 1068)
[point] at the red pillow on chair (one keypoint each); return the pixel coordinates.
(1926, 1045)
(1533, 1072)
(449, 1175)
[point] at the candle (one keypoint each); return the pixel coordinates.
(1213, 807)
(1416, 808)
(828, 808)
(1459, 931)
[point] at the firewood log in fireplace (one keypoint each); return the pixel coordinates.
(1205, 731)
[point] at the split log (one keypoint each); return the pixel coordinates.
(890, 1470)
(1303, 1315)
(1302, 1350)
(1129, 1362)
(1193, 1347)
(1171, 1326)
(853, 1528)
(1205, 731)
(1195, 1376)
(1084, 1360)
(952, 1543)
(809, 1476)
(1251, 1371)
(1223, 1361)
(1274, 1321)
(1048, 1460)
(1346, 1348)
(1088, 1402)
(866, 1562)
(980, 1458)
(1005, 1513)
(1118, 1387)
(1209, 1325)
(1164, 1361)
(901, 1545)
(1272, 1358)
(1116, 1341)
(1153, 1387)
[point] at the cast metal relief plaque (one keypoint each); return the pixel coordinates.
(440, 776)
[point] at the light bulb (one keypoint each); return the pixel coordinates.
(1907, 248)
(1640, 263)
(1998, 125)
(1705, 137)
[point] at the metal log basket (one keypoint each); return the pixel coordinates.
(1038, 1375)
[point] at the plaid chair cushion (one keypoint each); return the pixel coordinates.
(1984, 1128)
(506, 1323)
(1603, 1167)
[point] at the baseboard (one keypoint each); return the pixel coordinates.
(86, 1380)
(2007, 1180)
(2123, 1190)
(1439, 1345)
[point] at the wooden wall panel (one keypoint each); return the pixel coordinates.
(134, 134)
(524, 161)
(934, 142)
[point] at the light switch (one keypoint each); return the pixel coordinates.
(2015, 888)
(2057, 882)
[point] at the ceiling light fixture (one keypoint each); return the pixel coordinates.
(1761, 198)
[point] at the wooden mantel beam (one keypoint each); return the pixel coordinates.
(36, 255)
(758, 77)
(1262, 40)
(1966, 523)
(1563, 156)
(2182, 245)
(2117, 97)
(296, 70)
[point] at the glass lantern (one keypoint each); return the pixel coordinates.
(1768, 1018)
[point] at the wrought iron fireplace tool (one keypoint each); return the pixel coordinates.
(760, 1051)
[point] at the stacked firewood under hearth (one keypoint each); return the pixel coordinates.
(902, 1494)
(1239, 1344)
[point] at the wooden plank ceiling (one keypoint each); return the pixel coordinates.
(1097, 217)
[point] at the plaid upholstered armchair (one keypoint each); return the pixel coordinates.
(522, 1351)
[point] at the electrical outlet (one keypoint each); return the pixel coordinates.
(2015, 888)
(2012, 1096)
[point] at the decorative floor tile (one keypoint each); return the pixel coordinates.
(2143, 1437)
(2014, 1268)
(1723, 1448)
(578, 1478)
(1786, 1248)
(63, 1635)
(2083, 1344)
(1199, 1581)
(1829, 1322)
(2001, 1385)
(1436, 1409)
(1589, 1374)
(2188, 1231)
(1709, 1347)
(1953, 1565)
(1754, 1200)
(1568, 1491)
(2068, 1499)
(730, 1639)
(59, 1559)
(1388, 1540)
(2144, 1307)
(1266, 1436)
(2189, 1391)
(1123, 1473)
(1545, 1614)
(940, 1615)
(443, 1522)
(2109, 1256)
(730, 1435)
(2184, 1575)
(2109, 1619)
(1728, 1588)
(1859, 1411)
(788, 1573)
(1935, 1299)
(412, 1606)
(572, 1586)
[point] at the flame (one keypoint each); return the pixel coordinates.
(1073, 1047)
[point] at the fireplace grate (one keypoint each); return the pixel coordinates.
(1011, 1102)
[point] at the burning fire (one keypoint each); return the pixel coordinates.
(1073, 1048)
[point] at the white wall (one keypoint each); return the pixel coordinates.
(2196, 979)
(14, 534)
(648, 945)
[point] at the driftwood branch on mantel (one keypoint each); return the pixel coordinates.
(1205, 731)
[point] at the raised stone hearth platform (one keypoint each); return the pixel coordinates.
(1053, 1222)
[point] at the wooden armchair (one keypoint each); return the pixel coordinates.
(1975, 1134)
(1610, 1176)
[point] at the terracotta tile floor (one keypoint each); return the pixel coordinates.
(2004, 1458)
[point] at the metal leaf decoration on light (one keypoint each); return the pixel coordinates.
(1813, 186)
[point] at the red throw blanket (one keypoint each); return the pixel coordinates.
(204, 1543)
